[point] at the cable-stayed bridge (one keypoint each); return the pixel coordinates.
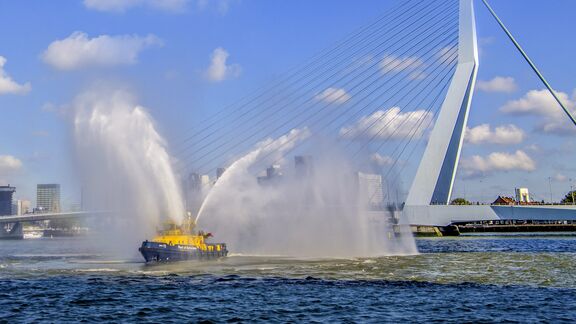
(427, 202)
(398, 88)
(390, 94)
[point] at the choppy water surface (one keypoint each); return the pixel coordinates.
(523, 278)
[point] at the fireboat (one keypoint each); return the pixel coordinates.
(181, 242)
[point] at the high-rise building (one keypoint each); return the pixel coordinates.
(522, 195)
(192, 191)
(193, 183)
(273, 175)
(370, 189)
(6, 193)
(21, 207)
(220, 172)
(205, 181)
(303, 165)
(48, 198)
(273, 171)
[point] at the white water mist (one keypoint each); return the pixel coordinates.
(238, 173)
(124, 164)
(318, 214)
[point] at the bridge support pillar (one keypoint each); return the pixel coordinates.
(11, 231)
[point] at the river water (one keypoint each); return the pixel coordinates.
(479, 278)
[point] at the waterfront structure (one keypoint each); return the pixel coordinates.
(502, 200)
(522, 195)
(21, 207)
(11, 226)
(6, 194)
(48, 198)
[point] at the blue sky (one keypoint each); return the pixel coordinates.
(167, 53)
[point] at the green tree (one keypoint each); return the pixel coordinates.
(460, 201)
(569, 198)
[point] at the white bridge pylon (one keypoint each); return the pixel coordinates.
(435, 176)
(429, 196)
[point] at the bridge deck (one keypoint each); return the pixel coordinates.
(46, 216)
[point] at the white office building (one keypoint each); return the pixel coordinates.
(522, 195)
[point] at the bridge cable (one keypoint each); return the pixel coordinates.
(298, 70)
(213, 150)
(532, 65)
(327, 105)
(220, 137)
(364, 108)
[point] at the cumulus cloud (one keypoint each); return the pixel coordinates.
(9, 164)
(219, 69)
(498, 161)
(119, 6)
(333, 95)
(538, 102)
(393, 63)
(498, 84)
(391, 123)
(381, 160)
(541, 103)
(9, 86)
(560, 177)
(79, 51)
(505, 134)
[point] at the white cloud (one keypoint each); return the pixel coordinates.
(542, 103)
(390, 123)
(498, 161)
(222, 6)
(534, 148)
(170, 6)
(498, 84)
(392, 63)
(49, 107)
(538, 102)
(219, 70)
(9, 86)
(62, 111)
(381, 160)
(334, 95)
(560, 177)
(505, 134)
(9, 164)
(79, 51)
(119, 6)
